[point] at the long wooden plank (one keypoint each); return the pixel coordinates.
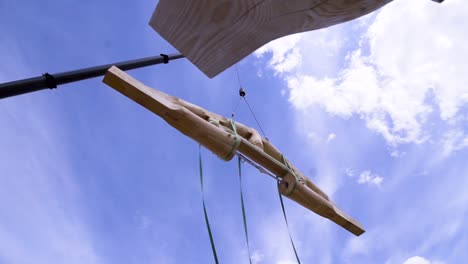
(215, 133)
(215, 34)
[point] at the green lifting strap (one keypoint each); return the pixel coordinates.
(287, 225)
(290, 170)
(243, 208)
(213, 248)
(236, 143)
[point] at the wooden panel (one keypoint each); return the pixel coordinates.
(215, 34)
(215, 133)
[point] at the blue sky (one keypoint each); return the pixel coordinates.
(374, 111)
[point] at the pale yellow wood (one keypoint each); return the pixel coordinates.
(215, 34)
(218, 141)
(313, 201)
(216, 133)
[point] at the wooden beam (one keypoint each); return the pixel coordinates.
(214, 35)
(216, 133)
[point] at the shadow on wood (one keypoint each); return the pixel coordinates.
(225, 138)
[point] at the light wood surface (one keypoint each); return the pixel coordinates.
(215, 132)
(215, 34)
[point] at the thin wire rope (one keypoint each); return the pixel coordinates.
(242, 158)
(245, 99)
(235, 108)
(238, 78)
(255, 117)
(233, 113)
(258, 167)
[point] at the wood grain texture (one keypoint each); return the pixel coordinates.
(215, 34)
(216, 140)
(215, 132)
(311, 200)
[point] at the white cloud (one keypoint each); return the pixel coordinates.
(367, 177)
(317, 137)
(284, 57)
(320, 46)
(405, 77)
(357, 245)
(399, 75)
(349, 172)
(420, 260)
(286, 262)
(417, 260)
(396, 154)
(453, 141)
(257, 257)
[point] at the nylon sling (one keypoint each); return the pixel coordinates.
(287, 226)
(243, 208)
(213, 248)
(239, 166)
(244, 217)
(285, 161)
